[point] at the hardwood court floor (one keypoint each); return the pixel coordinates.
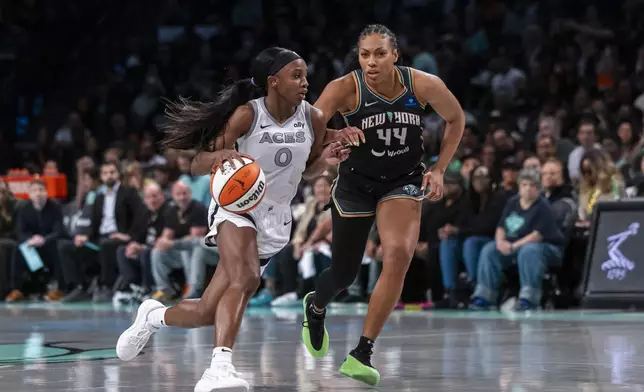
(71, 348)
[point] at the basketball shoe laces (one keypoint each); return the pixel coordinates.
(366, 351)
(317, 318)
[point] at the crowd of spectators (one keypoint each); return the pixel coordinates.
(553, 93)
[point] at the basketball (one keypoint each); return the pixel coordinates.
(238, 190)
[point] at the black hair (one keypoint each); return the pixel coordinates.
(114, 164)
(93, 173)
(193, 124)
(587, 120)
(380, 30)
(351, 61)
(477, 202)
(38, 181)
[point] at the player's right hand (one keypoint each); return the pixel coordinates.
(229, 156)
(350, 136)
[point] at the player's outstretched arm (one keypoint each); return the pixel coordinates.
(337, 96)
(340, 96)
(318, 159)
(431, 90)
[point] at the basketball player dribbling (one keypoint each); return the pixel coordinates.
(382, 179)
(267, 119)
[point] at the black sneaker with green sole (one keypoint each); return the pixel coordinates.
(314, 334)
(360, 369)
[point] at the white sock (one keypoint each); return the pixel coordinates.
(156, 318)
(221, 355)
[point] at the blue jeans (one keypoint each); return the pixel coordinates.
(452, 250)
(531, 259)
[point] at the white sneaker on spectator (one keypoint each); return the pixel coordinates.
(132, 341)
(121, 299)
(287, 299)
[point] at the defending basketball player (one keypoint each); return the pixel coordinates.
(383, 179)
(266, 119)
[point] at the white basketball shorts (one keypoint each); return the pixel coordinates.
(271, 221)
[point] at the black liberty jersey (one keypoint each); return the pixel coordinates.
(392, 128)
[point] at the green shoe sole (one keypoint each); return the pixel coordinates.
(306, 336)
(353, 368)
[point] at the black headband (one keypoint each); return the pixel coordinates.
(284, 57)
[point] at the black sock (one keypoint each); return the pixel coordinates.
(314, 310)
(365, 345)
(363, 351)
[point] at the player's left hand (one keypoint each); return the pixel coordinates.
(335, 153)
(433, 178)
(349, 136)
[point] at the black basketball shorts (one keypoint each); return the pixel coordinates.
(356, 195)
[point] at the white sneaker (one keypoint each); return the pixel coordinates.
(132, 341)
(287, 299)
(222, 378)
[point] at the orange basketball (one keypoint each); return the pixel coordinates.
(238, 190)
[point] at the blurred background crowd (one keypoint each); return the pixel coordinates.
(553, 87)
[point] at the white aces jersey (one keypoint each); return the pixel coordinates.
(281, 150)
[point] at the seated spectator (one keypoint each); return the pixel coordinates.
(546, 148)
(600, 180)
(161, 175)
(636, 183)
(88, 182)
(7, 234)
(558, 193)
(199, 185)
(293, 253)
(113, 213)
(531, 162)
(469, 163)
(550, 126)
(181, 246)
(527, 233)
(134, 260)
(509, 175)
(481, 209)
(39, 223)
(133, 176)
(628, 143)
(435, 218)
(587, 138)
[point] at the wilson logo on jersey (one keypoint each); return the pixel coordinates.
(283, 137)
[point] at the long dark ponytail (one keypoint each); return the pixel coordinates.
(193, 124)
